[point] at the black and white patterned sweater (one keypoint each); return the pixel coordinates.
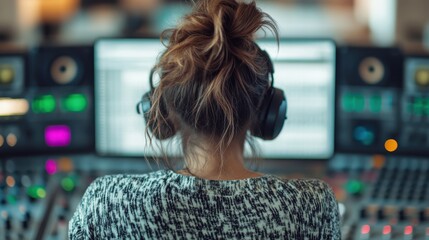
(168, 205)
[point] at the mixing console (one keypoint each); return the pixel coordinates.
(24, 200)
(382, 197)
(40, 194)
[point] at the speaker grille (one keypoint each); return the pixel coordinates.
(61, 66)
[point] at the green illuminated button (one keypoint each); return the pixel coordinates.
(418, 106)
(426, 106)
(11, 199)
(354, 187)
(375, 103)
(347, 103)
(68, 183)
(43, 104)
(36, 192)
(353, 103)
(359, 103)
(74, 103)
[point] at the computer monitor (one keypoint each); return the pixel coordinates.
(304, 69)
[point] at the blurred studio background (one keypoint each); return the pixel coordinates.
(381, 22)
(355, 72)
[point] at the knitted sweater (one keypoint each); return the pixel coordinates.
(168, 205)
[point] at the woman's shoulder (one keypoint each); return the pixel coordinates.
(306, 187)
(118, 178)
(307, 184)
(125, 182)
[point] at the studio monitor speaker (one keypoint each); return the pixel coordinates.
(63, 66)
(370, 66)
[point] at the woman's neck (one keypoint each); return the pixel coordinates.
(228, 165)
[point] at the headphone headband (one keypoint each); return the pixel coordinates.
(269, 64)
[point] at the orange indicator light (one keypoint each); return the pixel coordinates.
(11, 139)
(65, 164)
(10, 181)
(391, 145)
(378, 161)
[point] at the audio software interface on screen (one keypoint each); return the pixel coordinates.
(304, 69)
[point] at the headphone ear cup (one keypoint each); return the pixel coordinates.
(161, 128)
(279, 116)
(272, 115)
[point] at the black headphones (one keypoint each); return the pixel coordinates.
(167, 129)
(271, 116)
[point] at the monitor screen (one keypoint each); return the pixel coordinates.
(304, 69)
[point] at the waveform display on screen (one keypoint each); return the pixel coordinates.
(304, 69)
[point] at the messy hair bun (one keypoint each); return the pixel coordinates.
(213, 76)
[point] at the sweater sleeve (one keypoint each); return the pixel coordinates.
(83, 218)
(77, 226)
(332, 226)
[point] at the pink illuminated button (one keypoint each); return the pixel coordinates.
(365, 229)
(51, 166)
(57, 135)
(408, 233)
(387, 233)
(387, 230)
(408, 230)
